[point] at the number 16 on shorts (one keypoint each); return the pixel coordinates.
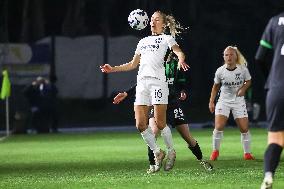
(158, 94)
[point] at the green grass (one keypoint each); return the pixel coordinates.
(119, 160)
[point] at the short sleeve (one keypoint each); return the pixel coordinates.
(267, 36)
(247, 75)
(217, 78)
(266, 42)
(137, 51)
(171, 41)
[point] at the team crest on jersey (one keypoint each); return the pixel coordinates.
(158, 40)
(238, 76)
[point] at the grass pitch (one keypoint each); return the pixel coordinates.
(119, 160)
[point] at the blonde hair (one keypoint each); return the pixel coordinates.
(241, 60)
(170, 23)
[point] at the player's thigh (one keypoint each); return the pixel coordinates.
(141, 116)
(142, 96)
(222, 112)
(275, 110)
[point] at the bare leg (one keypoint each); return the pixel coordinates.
(193, 145)
(141, 117)
(186, 135)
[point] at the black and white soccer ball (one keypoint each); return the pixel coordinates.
(138, 19)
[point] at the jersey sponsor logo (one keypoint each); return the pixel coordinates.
(281, 21)
(152, 47)
(232, 84)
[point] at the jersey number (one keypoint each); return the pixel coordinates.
(158, 93)
(178, 113)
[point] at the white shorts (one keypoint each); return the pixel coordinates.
(151, 91)
(239, 110)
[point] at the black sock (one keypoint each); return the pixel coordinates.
(272, 157)
(196, 151)
(151, 156)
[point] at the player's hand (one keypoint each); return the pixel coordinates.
(241, 92)
(119, 97)
(211, 107)
(183, 65)
(183, 95)
(106, 68)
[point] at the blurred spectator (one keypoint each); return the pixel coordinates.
(42, 97)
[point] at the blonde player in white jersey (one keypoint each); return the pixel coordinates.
(152, 88)
(234, 79)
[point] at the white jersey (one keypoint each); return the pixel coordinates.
(152, 50)
(231, 81)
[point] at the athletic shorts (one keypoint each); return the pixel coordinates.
(239, 110)
(175, 115)
(150, 91)
(275, 110)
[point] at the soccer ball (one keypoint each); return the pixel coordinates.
(138, 19)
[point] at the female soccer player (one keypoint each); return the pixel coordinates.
(234, 79)
(175, 116)
(272, 43)
(152, 88)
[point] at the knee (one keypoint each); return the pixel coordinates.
(160, 124)
(141, 126)
(244, 130)
(219, 127)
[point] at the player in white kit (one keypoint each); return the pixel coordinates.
(234, 79)
(152, 87)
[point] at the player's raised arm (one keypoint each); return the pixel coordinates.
(181, 58)
(106, 68)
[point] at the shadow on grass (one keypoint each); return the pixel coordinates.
(118, 166)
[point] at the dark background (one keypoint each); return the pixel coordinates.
(213, 25)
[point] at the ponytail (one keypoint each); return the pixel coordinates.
(172, 25)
